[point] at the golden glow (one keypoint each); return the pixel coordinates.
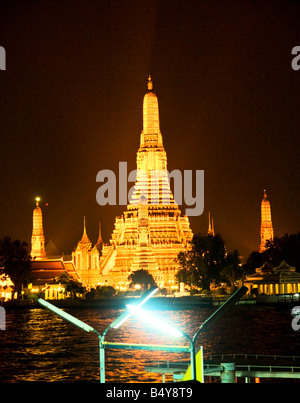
(86, 259)
(149, 235)
(266, 228)
(37, 239)
(270, 280)
(211, 230)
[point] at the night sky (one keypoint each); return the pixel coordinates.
(71, 105)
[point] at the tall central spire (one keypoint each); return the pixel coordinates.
(151, 232)
(266, 227)
(151, 135)
(37, 239)
(152, 179)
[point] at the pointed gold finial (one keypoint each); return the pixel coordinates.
(265, 194)
(150, 83)
(100, 240)
(37, 199)
(85, 238)
(84, 226)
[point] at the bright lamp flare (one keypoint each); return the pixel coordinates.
(154, 321)
(126, 315)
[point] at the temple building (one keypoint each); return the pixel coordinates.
(211, 230)
(51, 276)
(86, 259)
(269, 280)
(266, 227)
(37, 239)
(151, 232)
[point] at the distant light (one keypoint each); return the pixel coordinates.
(66, 316)
(154, 321)
(37, 199)
(46, 204)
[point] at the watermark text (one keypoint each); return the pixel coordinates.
(296, 320)
(2, 58)
(296, 60)
(154, 186)
(2, 318)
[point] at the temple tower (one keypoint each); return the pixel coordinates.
(37, 239)
(151, 232)
(86, 259)
(266, 227)
(99, 243)
(211, 230)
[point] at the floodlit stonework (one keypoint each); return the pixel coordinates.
(151, 232)
(266, 227)
(86, 259)
(37, 239)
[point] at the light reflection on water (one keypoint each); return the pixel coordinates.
(40, 346)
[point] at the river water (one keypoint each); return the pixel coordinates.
(37, 345)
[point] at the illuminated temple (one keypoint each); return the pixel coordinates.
(151, 232)
(37, 239)
(86, 258)
(266, 227)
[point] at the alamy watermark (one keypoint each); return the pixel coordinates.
(296, 320)
(2, 58)
(2, 318)
(154, 186)
(296, 60)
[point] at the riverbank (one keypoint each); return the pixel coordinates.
(186, 302)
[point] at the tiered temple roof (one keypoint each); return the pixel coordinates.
(151, 232)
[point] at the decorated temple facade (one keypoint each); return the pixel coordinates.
(152, 231)
(86, 259)
(266, 226)
(38, 251)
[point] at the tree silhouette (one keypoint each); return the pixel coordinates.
(142, 277)
(15, 262)
(285, 248)
(232, 270)
(204, 263)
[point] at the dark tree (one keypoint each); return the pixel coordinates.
(233, 271)
(204, 262)
(142, 277)
(285, 248)
(254, 261)
(15, 262)
(105, 291)
(72, 286)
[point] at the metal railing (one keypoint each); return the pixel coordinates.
(256, 356)
(255, 367)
